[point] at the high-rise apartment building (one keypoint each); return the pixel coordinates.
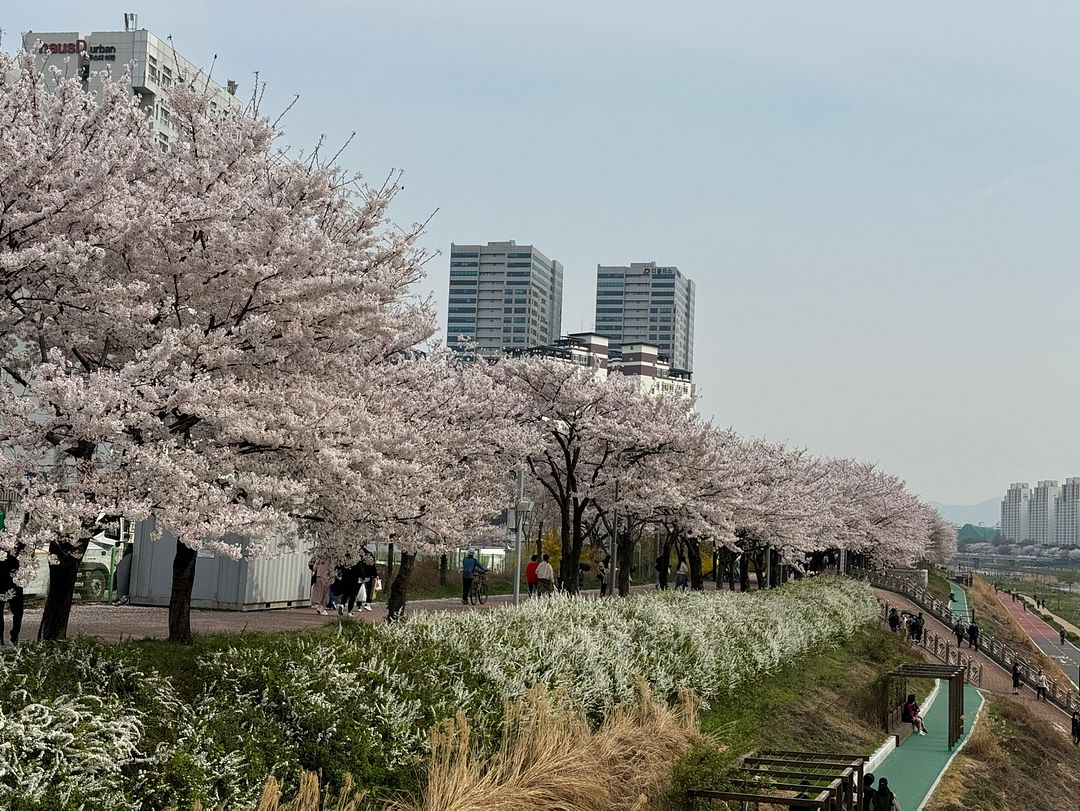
(1067, 514)
(641, 303)
(155, 67)
(1044, 500)
(503, 296)
(1016, 513)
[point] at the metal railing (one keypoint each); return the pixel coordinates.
(1063, 696)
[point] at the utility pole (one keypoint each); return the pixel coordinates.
(614, 544)
(519, 520)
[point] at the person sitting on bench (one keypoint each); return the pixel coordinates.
(913, 715)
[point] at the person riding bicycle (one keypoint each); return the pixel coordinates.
(469, 567)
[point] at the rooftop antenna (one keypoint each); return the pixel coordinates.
(131, 21)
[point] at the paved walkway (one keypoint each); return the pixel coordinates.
(914, 768)
(1044, 635)
(115, 623)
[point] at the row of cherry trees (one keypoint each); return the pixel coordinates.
(701, 485)
(223, 336)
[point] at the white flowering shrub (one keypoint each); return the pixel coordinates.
(88, 725)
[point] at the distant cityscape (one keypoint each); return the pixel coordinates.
(1047, 515)
(506, 299)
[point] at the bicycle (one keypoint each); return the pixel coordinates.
(478, 592)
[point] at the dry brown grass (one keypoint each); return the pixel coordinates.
(309, 797)
(550, 758)
(996, 619)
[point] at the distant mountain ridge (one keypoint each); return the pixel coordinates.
(985, 512)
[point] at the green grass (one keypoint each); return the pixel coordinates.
(826, 702)
(938, 586)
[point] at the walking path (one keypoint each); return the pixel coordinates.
(915, 767)
(1044, 635)
(114, 623)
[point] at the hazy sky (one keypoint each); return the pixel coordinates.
(878, 201)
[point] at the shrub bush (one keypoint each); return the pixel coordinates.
(89, 725)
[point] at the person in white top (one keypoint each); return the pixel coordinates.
(682, 576)
(545, 577)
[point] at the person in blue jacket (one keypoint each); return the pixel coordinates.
(468, 567)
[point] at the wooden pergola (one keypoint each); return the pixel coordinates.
(955, 677)
(819, 780)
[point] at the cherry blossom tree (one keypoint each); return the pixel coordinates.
(182, 331)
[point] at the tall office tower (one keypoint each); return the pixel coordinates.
(641, 303)
(1015, 513)
(1043, 504)
(503, 296)
(1067, 514)
(155, 67)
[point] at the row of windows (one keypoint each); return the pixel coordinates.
(461, 310)
(620, 285)
(465, 255)
(463, 263)
(619, 275)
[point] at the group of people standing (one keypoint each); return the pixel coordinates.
(880, 798)
(344, 587)
(912, 626)
(540, 576)
(970, 632)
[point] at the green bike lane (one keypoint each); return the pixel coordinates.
(914, 768)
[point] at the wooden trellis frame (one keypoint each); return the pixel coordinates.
(955, 677)
(833, 781)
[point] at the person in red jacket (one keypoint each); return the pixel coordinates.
(530, 574)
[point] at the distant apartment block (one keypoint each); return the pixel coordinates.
(1016, 513)
(641, 303)
(1043, 505)
(1067, 514)
(503, 296)
(640, 363)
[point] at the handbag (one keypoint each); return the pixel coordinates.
(378, 584)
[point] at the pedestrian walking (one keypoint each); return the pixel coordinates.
(884, 799)
(469, 567)
(350, 588)
(868, 792)
(920, 625)
(973, 636)
(894, 620)
(602, 573)
(530, 574)
(11, 596)
(682, 576)
(958, 630)
(1018, 681)
(1061, 631)
(545, 577)
(320, 585)
(369, 579)
(336, 592)
(1076, 728)
(1041, 683)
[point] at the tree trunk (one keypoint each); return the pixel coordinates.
(54, 619)
(716, 566)
(624, 549)
(744, 572)
(693, 558)
(390, 563)
(399, 588)
(540, 541)
(776, 576)
(759, 569)
(570, 566)
(444, 566)
(183, 579)
(665, 553)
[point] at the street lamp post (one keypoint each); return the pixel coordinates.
(521, 509)
(614, 544)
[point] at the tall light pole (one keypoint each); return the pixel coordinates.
(521, 509)
(614, 543)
